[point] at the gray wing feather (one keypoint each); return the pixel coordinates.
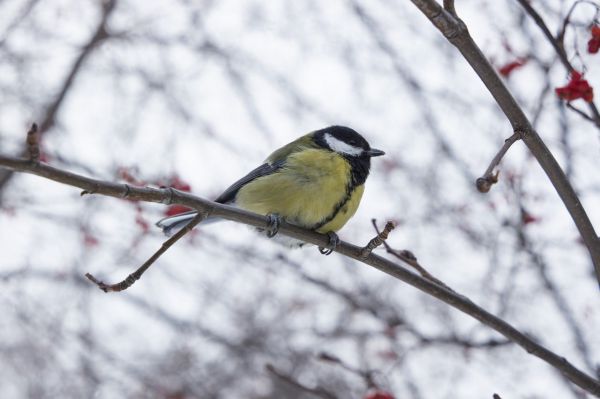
(263, 170)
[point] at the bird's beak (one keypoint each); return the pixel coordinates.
(375, 153)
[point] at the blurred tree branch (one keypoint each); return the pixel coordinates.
(316, 391)
(558, 45)
(49, 119)
(209, 208)
(457, 33)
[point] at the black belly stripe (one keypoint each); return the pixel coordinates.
(337, 209)
(359, 170)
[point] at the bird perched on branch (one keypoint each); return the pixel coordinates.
(315, 182)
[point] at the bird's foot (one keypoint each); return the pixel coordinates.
(334, 241)
(273, 224)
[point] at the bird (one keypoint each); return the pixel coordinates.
(315, 182)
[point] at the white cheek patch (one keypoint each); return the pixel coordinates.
(341, 147)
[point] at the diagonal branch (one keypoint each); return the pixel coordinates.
(133, 277)
(378, 240)
(209, 208)
(456, 32)
(409, 258)
(579, 112)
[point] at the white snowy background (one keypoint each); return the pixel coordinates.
(205, 90)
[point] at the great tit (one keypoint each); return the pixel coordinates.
(315, 182)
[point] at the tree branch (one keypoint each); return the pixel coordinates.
(449, 6)
(318, 391)
(378, 240)
(579, 112)
(485, 182)
(133, 277)
(410, 259)
(33, 143)
(366, 375)
(209, 208)
(457, 33)
(559, 47)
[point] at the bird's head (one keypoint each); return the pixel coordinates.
(346, 142)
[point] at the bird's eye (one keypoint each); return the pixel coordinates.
(352, 142)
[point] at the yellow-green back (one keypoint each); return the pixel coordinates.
(295, 146)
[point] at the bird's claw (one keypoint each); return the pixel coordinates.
(273, 224)
(334, 241)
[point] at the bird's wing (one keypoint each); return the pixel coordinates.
(273, 163)
(263, 170)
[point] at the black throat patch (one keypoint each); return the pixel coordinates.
(359, 170)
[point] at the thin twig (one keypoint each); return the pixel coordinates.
(377, 240)
(367, 375)
(33, 143)
(133, 277)
(580, 112)
(410, 259)
(560, 37)
(395, 270)
(318, 391)
(485, 182)
(539, 21)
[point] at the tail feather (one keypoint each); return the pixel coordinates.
(171, 224)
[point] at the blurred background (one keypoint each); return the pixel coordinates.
(195, 94)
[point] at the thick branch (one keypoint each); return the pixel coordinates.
(456, 32)
(168, 196)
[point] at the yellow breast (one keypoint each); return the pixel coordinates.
(309, 191)
(347, 210)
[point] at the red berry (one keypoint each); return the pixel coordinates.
(507, 69)
(379, 395)
(576, 88)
